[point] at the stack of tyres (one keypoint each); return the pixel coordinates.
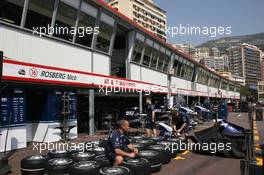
(82, 156)
(59, 154)
(103, 160)
(139, 166)
(33, 165)
(174, 145)
(153, 157)
(118, 170)
(85, 167)
(139, 146)
(58, 166)
(165, 153)
(146, 142)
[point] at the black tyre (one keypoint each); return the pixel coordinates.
(165, 153)
(98, 151)
(135, 138)
(146, 142)
(158, 139)
(118, 170)
(153, 157)
(139, 146)
(105, 162)
(139, 166)
(85, 167)
(59, 154)
(58, 166)
(33, 165)
(179, 145)
(83, 156)
(169, 147)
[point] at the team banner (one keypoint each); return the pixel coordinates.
(20, 71)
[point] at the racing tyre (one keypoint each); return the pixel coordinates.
(146, 142)
(118, 170)
(139, 146)
(139, 166)
(153, 157)
(33, 165)
(169, 147)
(158, 139)
(103, 160)
(98, 151)
(58, 166)
(178, 144)
(85, 167)
(83, 156)
(165, 153)
(59, 154)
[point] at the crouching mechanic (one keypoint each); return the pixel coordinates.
(118, 146)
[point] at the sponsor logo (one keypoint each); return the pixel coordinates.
(21, 72)
(33, 72)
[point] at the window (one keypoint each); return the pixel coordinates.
(167, 61)
(39, 14)
(138, 48)
(105, 34)
(175, 65)
(180, 67)
(65, 19)
(87, 20)
(161, 59)
(202, 77)
(11, 11)
(224, 85)
(147, 53)
(188, 71)
(155, 56)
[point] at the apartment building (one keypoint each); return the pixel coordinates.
(186, 48)
(245, 62)
(201, 52)
(145, 13)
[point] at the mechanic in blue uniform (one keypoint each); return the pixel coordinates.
(150, 123)
(118, 146)
(179, 122)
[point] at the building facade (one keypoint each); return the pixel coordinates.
(144, 13)
(219, 64)
(262, 66)
(185, 48)
(245, 62)
(201, 52)
(103, 72)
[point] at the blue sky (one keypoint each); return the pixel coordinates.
(244, 16)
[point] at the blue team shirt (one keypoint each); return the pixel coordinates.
(118, 140)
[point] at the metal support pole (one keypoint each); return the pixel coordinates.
(91, 112)
(4, 167)
(140, 102)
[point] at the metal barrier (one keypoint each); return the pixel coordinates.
(248, 166)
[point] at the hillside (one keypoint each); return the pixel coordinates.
(226, 42)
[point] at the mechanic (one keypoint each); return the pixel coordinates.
(118, 146)
(150, 123)
(179, 122)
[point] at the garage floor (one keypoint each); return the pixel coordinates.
(186, 163)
